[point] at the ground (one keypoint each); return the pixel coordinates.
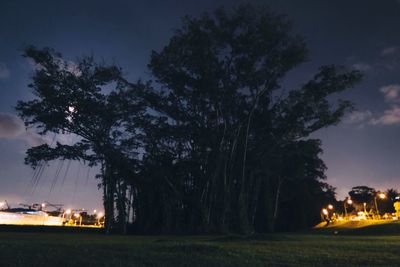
(328, 247)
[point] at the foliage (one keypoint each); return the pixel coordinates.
(231, 141)
(362, 194)
(215, 143)
(387, 204)
(72, 98)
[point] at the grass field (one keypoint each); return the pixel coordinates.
(91, 249)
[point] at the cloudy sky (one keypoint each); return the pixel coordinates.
(362, 34)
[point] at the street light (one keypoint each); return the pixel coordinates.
(349, 202)
(78, 216)
(330, 206)
(99, 216)
(381, 196)
(68, 211)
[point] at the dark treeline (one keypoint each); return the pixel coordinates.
(214, 143)
(376, 202)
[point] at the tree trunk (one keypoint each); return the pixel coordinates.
(276, 204)
(121, 206)
(108, 198)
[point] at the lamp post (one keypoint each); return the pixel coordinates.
(325, 216)
(68, 211)
(78, 216)
(99, 216)
(347, 201)
(381, 196)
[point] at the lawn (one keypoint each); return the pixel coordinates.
(91, 249)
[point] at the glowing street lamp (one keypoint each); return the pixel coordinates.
(381, 196)
(68, 211)
(349, 202)
(99, 216)
(330, 206)
(78, 216)
(325, 211)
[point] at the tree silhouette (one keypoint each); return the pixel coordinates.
(361, 195)
(228, 126)
(216, 143)
(71, 99)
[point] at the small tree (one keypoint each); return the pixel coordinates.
(361, 195)
(85, 99)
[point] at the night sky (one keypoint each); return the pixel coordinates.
(363, 150)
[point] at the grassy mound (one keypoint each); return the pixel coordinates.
(367, 227)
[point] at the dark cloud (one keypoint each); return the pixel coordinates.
(390, 116)
(361, 66)
(390, 51)
(358, 117)
(12, 127)
(4, 71)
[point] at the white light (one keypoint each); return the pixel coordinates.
(100, 214)
(71, 110)
(68, 211)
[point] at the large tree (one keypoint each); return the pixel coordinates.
(227, 128)
(216, 143)
(88, 100)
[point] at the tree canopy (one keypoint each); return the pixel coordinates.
(215, 143)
